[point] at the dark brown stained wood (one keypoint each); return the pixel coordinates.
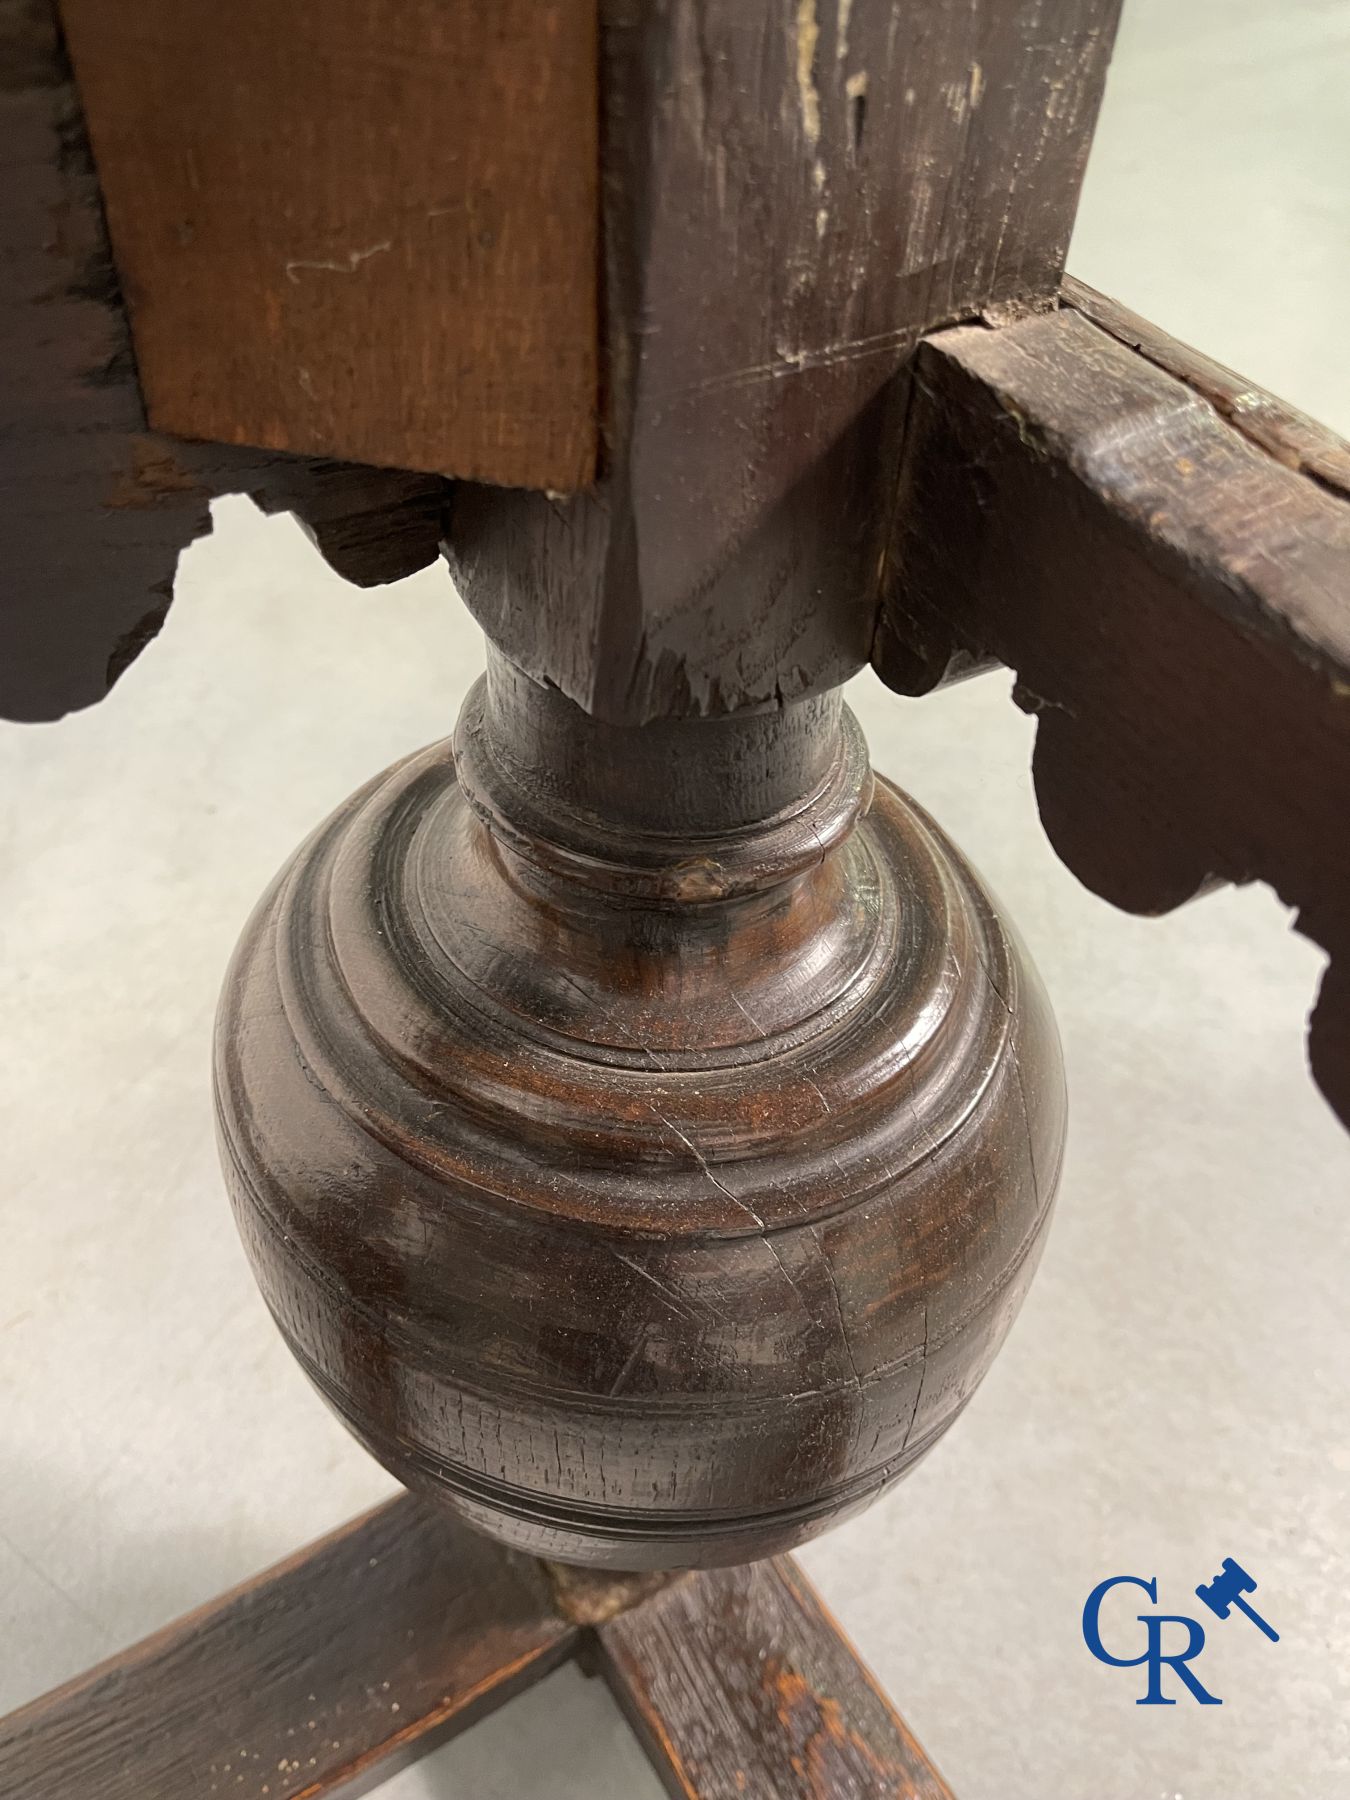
(93, 513)
(371, 525)
(320, 1677)
(792, 194)
(96, 507)
(644, 1137)
(1290, 436)
(328, 1673)
(1162, 553)
(741, 1686)
(363, 229)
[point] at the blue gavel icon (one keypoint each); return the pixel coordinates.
(1226, 1591)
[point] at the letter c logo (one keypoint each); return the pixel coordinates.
(1092, 1611)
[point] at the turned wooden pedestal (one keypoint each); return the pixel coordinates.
(643, 1136)
(641, 1121)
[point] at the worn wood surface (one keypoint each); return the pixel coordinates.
(792, 194)
(1290, 436)
(1162, 553)
(97, 507)
(644, 1137)
(94, 512)
(324, 1675)
(363, 229)
(585, 1596)
(318, 1678)
(371, 525)
(740, 1685)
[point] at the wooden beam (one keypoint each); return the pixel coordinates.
(1290, 436)
(93, 518)
(792, 195)
(1162, 553)
(739, 1683)
(321, 1676)
(97, 505)
(362, 229)
(326, 1674)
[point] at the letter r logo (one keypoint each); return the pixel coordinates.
(1153, 1653)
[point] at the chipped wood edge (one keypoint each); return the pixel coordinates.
(1161, 552)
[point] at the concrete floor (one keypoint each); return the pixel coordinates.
(1176, 1390)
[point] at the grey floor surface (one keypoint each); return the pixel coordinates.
(1176, 1390)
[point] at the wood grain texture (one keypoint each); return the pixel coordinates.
(1290, 436)
(644, 1137)
(323, 1676)
(371, 525)
(97, 507)
(792, 194)
(95, 511)
(740, 1685)
(320, 1677)
(1162, 553)
(363, 229)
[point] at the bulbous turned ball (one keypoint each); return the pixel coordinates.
(643, 1138)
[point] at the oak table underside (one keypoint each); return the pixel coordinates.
(1160, 550)
(369, 1648)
